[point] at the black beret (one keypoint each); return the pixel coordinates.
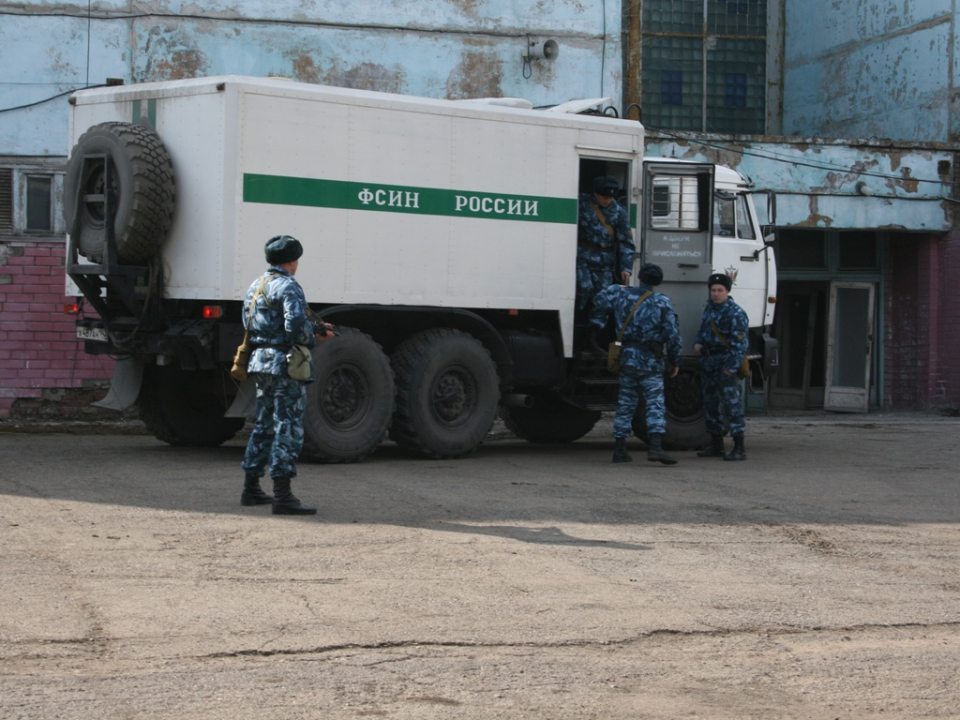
(720, 279)
(282, 249)
(651, 274)
(605, 185)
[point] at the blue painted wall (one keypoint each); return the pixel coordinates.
(436, 48)
(872, 68)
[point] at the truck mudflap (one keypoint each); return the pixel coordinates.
(124, 385)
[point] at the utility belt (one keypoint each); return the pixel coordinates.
(259, 346)
(651, 345)
(593, 246)
(707, 352)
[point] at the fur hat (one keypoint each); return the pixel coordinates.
(606, 185)
(720, 279)
(282, 249)
(651, 274)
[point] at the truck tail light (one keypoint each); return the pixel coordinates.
(212, 312)
(772, 300)
(71, 308)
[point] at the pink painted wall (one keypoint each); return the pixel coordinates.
(43, 369)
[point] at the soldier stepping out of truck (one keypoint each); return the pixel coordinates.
(605, 249)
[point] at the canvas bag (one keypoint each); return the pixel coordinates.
(241, 359)
(613, 349)
(298, 363)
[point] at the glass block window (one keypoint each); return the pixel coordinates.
(673, 83)
(736, 87)
(671, 87)
(678, 47)
(673, 16)
(737, 17)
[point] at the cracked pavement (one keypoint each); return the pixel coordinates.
(819, 579)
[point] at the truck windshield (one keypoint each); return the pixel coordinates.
(731, 218)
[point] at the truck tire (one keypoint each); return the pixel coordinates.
(686, 421)
(185, 408)
(350, 406)
(447, 393)
(549, 421)
(144, 187)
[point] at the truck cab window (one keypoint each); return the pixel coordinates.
(744, 226)
(724, 223)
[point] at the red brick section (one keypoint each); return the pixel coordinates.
(43, 369)
(922, 334)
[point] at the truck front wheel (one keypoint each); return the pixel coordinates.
(447, 393)
(350, 405)
(686, 424)
(185, 408)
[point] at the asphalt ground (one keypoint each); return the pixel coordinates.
(818, 579)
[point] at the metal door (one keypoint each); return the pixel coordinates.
(849, 346)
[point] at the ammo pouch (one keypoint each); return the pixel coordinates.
(238, 371)
(298, 363)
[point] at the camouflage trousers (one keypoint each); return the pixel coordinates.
(590, 281)
(277, 436)
(633, 383)
(721, 396)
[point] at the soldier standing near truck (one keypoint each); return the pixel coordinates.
(605, 248)
(648, 326)
(275, 314)
(720, 347)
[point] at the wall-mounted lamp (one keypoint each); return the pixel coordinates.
(864, 189)
(539, 50)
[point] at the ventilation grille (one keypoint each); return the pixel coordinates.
(6, 201)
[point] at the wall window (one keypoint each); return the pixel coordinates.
(30, 198)
(39, 203)
(736, 90)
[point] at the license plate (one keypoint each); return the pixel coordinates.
(91, 333)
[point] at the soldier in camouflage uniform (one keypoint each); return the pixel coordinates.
(605, 248)
(277, 321)
(721, 384)
(652, 330)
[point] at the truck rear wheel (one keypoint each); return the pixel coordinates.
(447, 393)
(143, 184)
(350, 405)
(185, 408)
(549, 421)
(686, 422)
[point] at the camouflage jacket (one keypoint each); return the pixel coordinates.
(278, 322)
(732, 323)
(653, 322)
(595, 246)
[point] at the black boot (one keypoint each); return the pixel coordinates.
(715, 449)
(284, 501)
(620, 451)
(252, 493)
(738, 453)
(656, 453)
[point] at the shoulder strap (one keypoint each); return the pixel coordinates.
(626, 322)
(603, 220)
(253, 302)
(726, 343)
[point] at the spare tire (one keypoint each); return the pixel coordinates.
(143, 185)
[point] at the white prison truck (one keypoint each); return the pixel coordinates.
(440, 236)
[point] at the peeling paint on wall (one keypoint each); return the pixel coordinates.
(478, 75)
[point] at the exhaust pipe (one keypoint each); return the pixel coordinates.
(517, 400)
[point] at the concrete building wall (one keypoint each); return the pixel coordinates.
(871, 68)
(435, 48)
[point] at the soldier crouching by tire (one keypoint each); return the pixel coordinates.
(647, 325)
(276, 322)
(720, 347)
